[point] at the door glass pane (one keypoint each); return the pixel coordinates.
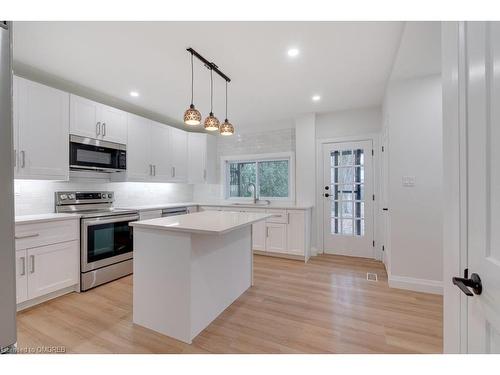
(335, 209)
(336, 226)
(346, 209)
(359, 157)
(359, 209)
(359, 174)
(347, 227)
(359, 192)
(359, 229)
(344, 175)
(334, 159)
(346, 157)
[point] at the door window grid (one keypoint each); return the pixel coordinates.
(347, 187)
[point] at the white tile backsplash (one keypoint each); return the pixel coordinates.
(37, 197)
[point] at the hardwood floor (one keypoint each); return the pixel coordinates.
(324, 306)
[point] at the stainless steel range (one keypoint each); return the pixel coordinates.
(106, 243)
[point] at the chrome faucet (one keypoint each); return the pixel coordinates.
(251, 184)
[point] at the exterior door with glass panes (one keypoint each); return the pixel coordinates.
(348, 199)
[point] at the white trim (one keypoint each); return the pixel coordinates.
(416, 285)
(375, 139)
(290, 156)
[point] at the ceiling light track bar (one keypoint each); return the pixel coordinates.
(208, 64)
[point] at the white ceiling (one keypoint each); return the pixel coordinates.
(347, 63)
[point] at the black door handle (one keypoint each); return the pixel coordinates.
(465, 283)
(327, 187)
(327, 195)
(385, 209)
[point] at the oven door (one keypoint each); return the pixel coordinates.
(94, 154)
(106, 240)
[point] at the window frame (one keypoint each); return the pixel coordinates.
(256, 158)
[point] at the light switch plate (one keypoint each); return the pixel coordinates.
(408, 181)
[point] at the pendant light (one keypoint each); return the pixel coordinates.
(211, 122)
(192, 116)
(226, 128)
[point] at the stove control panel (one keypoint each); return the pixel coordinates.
(83, 197)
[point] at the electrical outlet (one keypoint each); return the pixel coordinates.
(408, 181)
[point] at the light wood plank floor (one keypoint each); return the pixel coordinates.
(324, 306)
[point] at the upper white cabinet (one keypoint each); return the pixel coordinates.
(179, 155)
(155, 152)
(41, 128)
(95, 120)
(202, 149)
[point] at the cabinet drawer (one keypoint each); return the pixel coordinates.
(279, 216)
(51, 232)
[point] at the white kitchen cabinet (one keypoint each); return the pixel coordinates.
(138, 149)
(296, 232)
(202, 150)
(178, 155)
(41, 128)
(21, 276)
(259, 236)
(114, 124)
(95, 120)
(52, 267)
(47, 259)
(276, 237)
(160, 152)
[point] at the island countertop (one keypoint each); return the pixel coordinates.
(206, 222)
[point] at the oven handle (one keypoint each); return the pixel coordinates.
(107, 220)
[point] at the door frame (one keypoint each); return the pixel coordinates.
(375, 139)
(455, 183)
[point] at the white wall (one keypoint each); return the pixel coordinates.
(413, 118)
(36, 197)
(351, 122)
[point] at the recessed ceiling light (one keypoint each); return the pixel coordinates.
(135, 94)
(293, 52)
(315, 98)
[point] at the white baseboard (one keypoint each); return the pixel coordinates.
(417, 285)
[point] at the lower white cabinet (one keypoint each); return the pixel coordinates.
(276, 240)
(296, 231)
(259, 236)
(47, 259)
(151, 214)
(21, 276)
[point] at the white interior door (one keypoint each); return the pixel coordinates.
(348, 198)
(483, 184)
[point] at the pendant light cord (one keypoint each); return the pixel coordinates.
(226, 100)
(192, 80)
(211, 91)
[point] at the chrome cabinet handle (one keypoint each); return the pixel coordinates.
(98, 128)
(23, 159)
(15, 158)
(26, 236)
(154, 170)
(23, 268)
(150, 169)
(103, 129)
(205, 175)
(32, 261)
(267, 232)
(174, 171)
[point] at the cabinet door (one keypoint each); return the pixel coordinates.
(179, 154)
(52, 267)
(84, 117)
(276, 237)
(21, 276)
(197, 149)
(15, 123)
(139, 148)
(114, 124)
(43, 131)
(259, 236)
(296, 232)
(160, 154)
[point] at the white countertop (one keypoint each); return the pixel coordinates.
(25, 219)
(207, 222)
(158, 206)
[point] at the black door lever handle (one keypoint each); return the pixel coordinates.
(464, 284)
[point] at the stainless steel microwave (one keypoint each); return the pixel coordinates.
(96, 155)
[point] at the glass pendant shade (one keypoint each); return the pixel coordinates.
(226, 128)
(192, 116)
(211, 123)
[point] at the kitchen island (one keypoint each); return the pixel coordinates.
(189, 268)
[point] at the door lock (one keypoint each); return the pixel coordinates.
(464, 283)
(327, 187)
(327, 195)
